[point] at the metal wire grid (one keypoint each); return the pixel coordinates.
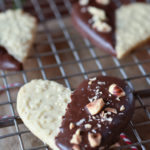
(57, 15)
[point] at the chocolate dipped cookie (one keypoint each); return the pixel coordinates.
(8, 62)
(91, 117)
(115, 28)
(17, 34)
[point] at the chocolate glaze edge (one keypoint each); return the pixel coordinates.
(95, 41)
(8, 62)
(116, 127)
(105, 41)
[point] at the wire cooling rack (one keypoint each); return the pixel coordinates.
(61, 54)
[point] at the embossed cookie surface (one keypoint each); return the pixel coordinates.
(114, 29)
(41, 105)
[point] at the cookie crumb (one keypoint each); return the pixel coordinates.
(76, 138)
(83, 2)
(103, 2)
(71, 126)
(122, 108)
(94, 139)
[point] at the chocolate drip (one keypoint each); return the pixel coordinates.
(104, 41)
(109, 127)
(7, 62)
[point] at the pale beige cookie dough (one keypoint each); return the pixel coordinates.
(132, 27)
(17, 32)
(41, 105)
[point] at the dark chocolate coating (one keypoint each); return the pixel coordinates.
(8, 62)
(77, 114)
(104, 41)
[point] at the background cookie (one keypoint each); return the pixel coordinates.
(112, 28)
(17, 33)
(132, 27)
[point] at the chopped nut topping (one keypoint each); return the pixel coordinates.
(105, 118)
(103, 2)
(102, 114)
(98, 125)
(90, 82)
(101, 83)
(71, 126)
(92, 79)
(76, 138)
(97, 12)
(122, 108)
(118, 99)
(98, 18)
(76, 147)
(113, 110)
(116, 90)
(101, 26)
(83, 2)
(87, 126)
(94, 139)
(95, 106)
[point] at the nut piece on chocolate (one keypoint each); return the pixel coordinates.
(76, 138)
(98, 18)
(94, 139)
(71, 126)
(99, 13)
(113, 110)
(116, 90)
(91, 80)
(87, 126)
(122, 108)
(76, 147)
(101, 26)
(103, 2)
(83, 2)
(95, 107)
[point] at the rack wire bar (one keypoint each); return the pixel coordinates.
(41, 17)
(49, 61)
(66, 34)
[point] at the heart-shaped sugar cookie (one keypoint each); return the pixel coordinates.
(90, 118)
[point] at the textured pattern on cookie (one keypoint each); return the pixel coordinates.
(132, 27)
(17, 32)
(41, 105)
